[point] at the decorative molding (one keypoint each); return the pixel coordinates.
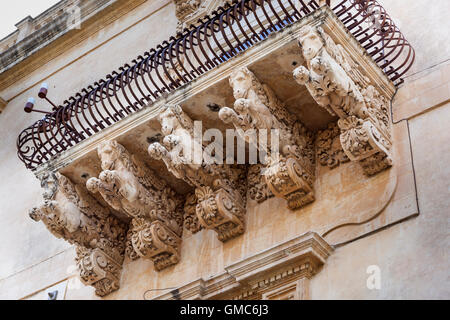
(339, 85)
(155, 241)
(3, 104)
(329, 150)
(323, 17)
(56, 37)
(188, 12)
(257, 186)
(191, 221)
(281, 272)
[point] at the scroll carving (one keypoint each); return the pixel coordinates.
(337, 84)
(257, 108)
(217, 185)
(72, 214)
(127, 185)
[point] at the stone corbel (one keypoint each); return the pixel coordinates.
(289, 171)
(127, 185)
(99, 270)
(220, 189)
(73, 215)
(282, 272)
(337, 84)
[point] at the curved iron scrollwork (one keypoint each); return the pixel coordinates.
(216, 39)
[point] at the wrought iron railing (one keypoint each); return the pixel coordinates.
(217, 38)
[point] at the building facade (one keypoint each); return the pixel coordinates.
(347, 199)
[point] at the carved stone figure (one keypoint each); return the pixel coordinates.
(328, 147)
(73, 215)
(127, 185)
(191, 221)
(226, 184)
(257, 186)
(337, 84)
(188, 12)
(257, 108)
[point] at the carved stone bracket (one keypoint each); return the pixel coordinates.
(71, 213)
(328, 147)
(127, 185)
(220, 189)
(337, 84)
(99, 270)
(155, 241)
(289, 172)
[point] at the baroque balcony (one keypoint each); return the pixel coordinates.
(322, 75)
(177, 62)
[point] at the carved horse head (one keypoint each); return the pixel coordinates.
(311, 41)
(174, 118)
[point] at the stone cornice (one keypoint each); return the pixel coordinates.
(56, 37)
(298, 258)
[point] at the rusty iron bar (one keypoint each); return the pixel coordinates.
(215, 39)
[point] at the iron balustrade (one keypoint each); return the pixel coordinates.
(216, 39)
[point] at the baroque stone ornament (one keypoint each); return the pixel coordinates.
(289, 171)
(129, 186)
(72, 214)
(257, 186)
(328, 147)
(191, 221)
(220, 189)
(155, 241)
(189, 12)
(337, 84)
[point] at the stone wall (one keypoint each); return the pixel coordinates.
(412, 254)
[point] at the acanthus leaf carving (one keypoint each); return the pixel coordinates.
(191, 221)
(221, 210)
(155, 241)
(72, 214)
(228, 181)
(257, 186)
(328, 147)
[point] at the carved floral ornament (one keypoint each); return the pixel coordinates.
(157, 215)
